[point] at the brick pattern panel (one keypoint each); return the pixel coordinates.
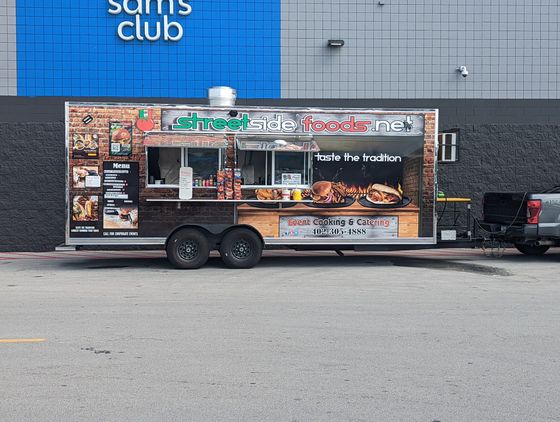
(428, 177)
(155, 219)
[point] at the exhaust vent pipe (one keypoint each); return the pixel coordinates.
(222, 96)
(544, 243)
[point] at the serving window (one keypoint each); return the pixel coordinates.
(167, 152)
(275, 162)
(164, 163)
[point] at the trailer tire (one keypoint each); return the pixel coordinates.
(531, 250)
(188, 249)
(241, 248)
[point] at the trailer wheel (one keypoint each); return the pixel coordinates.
(531, 250)
(241, 248)
(188, 249)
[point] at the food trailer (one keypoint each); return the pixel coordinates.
(238, 179)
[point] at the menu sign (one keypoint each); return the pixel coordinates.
(340, 227)
(185, 183)
(120, 199)
(291, 178)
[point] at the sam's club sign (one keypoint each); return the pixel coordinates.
(135, 25)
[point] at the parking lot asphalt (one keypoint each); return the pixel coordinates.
(434, 335)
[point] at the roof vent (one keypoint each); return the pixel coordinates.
(222, 96)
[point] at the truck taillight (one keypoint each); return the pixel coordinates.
(533, 211)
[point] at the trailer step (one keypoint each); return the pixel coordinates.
(62, 247)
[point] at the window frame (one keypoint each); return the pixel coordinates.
(184, 163)
(453, 147)
(147, 161)
(185, 160)
(271, 165)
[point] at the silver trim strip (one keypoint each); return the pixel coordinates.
(325, 242)
(116, 241)
(258, 108)
(67, 176)
(436, 175)
(267, 240)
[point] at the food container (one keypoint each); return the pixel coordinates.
(229, 183)
(296, 195)
(285, 194)
(237, 184)
(220, 177)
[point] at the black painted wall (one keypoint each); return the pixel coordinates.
(503, 145)
(31, 186)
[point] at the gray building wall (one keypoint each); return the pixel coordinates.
(8, 75)
(411, 49)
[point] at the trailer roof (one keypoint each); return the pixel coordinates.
(256, 108)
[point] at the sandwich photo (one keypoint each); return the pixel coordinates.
(121, 135)
(324, 192)
(268, 194)
(383, 194)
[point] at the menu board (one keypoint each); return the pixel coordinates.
(120, 199)
(339, 226)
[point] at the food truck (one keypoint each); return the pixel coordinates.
(239, 179)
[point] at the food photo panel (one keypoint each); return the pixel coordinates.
(85, 208)
(376, 173)
(85, 177)
(85, 145)
(120, 218)
(120, 138)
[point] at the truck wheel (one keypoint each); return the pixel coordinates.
(188, 249)
(241, 248)
(532, 250)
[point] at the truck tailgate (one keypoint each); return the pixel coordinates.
(501, 207)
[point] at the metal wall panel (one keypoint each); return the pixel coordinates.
(8, 72)
(411, 49)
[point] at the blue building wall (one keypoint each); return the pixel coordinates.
(71, 48)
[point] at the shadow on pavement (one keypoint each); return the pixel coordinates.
(325, 261)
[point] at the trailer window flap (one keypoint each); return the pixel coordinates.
(188, 140)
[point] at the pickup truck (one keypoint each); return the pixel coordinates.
(531, 221)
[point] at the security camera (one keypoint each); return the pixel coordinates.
(463, 70)
(233, 113)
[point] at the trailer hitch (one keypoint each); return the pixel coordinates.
(493, 248)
